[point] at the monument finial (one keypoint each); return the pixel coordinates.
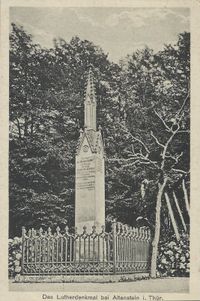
(90, 90)
(90, 102)
(81, 132)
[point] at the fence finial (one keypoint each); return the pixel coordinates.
(49, 231)
(84, 229)
(134, 232)
(149, 234)
(103, 228)
(117, 226)
(40, 231)
(146, 234)
(29, 233)
(139, 233)
(114, 225)
(23, 231)
(33, 232)
(129, 230)
(66, 230)
(58, 230)
(142, 233)
(94, 229)
(123, 229)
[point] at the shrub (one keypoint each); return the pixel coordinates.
(14, 256)
(174, 257)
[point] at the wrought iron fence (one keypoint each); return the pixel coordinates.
(123, 250)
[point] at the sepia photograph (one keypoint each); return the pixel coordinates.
(99, 154)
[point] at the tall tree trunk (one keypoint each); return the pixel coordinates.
(186, 197)
(179, 211)
(157, 228)
(172, 216)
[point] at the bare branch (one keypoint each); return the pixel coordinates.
(127, 186)
(142, 153)
(120, 160)
(156, 139)
(175, 158)
(143, 159)
(178, 156)
(136, 158)
(135, 162)
(183, 131)
(182, 107)
(140, 141)
(167, 144)
(134, 138)
(178, 116)
(132, 148)
(180, 171)
(164, 123)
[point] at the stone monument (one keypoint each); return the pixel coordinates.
(90, 175)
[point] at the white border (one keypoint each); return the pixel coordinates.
(194, 6)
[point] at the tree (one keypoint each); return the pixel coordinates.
(158, 143)
(46, 113)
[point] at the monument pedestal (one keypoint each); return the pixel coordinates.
(90, 202)
(90, 195)
(89, 250)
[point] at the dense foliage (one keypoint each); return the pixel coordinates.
(46, 113)
(174, 257)
(14, 256)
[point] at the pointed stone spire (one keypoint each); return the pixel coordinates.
(90, 103)
(90, 90)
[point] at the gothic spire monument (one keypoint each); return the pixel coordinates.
(90, 174)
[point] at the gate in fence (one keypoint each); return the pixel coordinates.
(123, 250)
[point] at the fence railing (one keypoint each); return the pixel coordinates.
(123, 250)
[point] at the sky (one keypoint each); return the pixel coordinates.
(118, 31)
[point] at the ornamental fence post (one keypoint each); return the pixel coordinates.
(114, 246)
(23, 248)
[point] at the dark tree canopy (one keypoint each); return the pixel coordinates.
(46, 112)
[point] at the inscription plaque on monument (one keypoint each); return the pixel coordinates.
(85, 173)
(89, 192)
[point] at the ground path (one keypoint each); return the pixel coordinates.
(167, 285)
